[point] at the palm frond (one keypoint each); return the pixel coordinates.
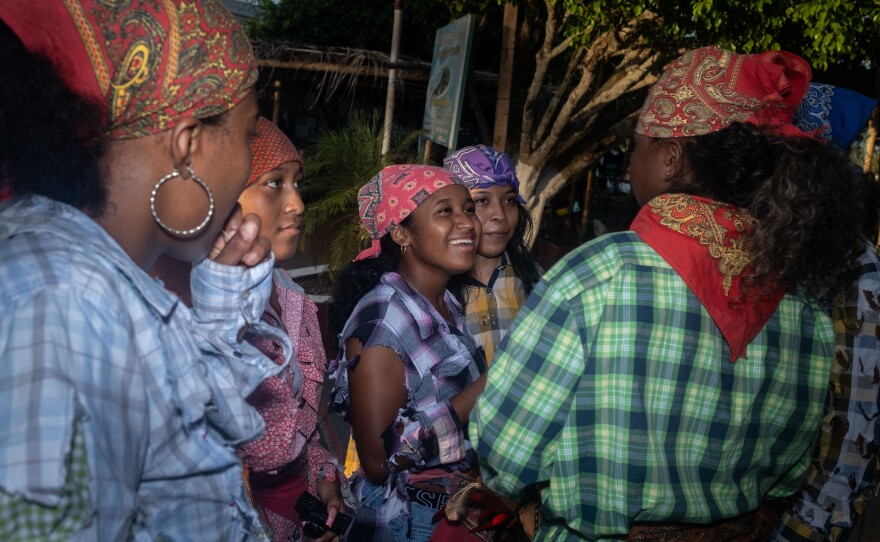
(338, 164)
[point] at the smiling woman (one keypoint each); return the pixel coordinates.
(408, 372)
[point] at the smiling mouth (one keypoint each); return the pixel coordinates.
(462, 242)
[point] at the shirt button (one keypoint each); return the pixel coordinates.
(245, 295)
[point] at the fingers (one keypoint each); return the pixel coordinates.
(332, 510)
(233, 223)
(241, 244)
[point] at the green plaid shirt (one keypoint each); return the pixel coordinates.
(614, 391)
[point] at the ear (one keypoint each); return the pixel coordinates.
(186, 138)
(401, 236)
(673, 157)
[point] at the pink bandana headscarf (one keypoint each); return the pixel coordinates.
(271, 149)
(707, 89)
(393, 194)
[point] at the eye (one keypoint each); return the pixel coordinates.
(481, 201)
(510, 201)
(470, 209)
(444, 211)
(274, 183)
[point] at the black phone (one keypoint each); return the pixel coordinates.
(314, 513)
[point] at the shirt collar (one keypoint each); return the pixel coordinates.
(41, 215)
(472, 281)
(426, 316)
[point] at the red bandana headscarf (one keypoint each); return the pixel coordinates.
(148, 62)
(393, 194)
(707, 89)
(271, 149)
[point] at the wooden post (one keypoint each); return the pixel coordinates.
(392, 77)
(276, 104)
(426, 159)
(505, 76)
(871, 142)
(585, 218)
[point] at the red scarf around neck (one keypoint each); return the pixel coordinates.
(704, 242)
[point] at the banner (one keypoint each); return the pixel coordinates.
(452, 52)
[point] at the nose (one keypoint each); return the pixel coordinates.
(466, 221)
(295, 203)
(496, 211)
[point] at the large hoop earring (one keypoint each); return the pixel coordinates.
(169, 229)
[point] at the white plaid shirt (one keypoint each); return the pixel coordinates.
(120, 406)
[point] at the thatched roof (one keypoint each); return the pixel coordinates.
(345, 67)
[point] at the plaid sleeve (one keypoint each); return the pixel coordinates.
(529, 389)
(22, 519)
(844, 471)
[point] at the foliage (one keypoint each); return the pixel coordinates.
(337, 164)
(583, 66)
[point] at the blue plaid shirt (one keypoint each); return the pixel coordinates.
(121, 407)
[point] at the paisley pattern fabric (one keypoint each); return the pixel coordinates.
(834, 114)
(481, 167)
(271, 149)
(693, 230)
(148, 63)
(707, 89)
(393, 194)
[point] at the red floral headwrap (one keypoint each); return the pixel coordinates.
(393, 194)
(271, 149)
(148, 62)
(707, 89)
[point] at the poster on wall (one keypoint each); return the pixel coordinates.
(452, 52)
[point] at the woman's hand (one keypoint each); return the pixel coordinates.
(240, 243)
(331, 496)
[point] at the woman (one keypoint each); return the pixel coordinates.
(661, 382)
(122, 407)
(504, 270)
(408, 371)
(288, 459)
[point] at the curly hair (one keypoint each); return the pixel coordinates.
(51, 138)
(358, 278)
(807, 196)
(520, 257)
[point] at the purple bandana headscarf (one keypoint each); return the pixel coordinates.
(482, 167)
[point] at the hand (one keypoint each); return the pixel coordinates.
(240, 243)
(330, 495)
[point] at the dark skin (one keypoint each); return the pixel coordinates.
(377, 386)
(220, 156)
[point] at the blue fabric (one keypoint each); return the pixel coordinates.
(88, 340)
(834, 113)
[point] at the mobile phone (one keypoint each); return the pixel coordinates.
(314, 512)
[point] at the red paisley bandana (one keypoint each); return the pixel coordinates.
(148, 62)
(708, 89)
(703, 240)
(271, 149)
(393, 194)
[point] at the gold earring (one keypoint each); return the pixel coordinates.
(403, 249)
